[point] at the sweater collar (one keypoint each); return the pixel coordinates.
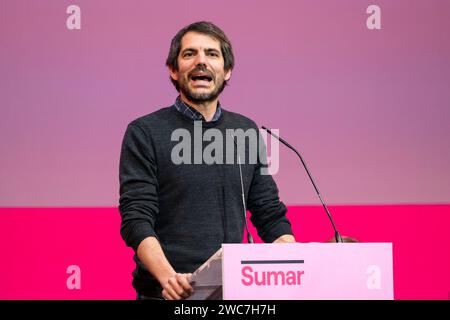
(193, 114)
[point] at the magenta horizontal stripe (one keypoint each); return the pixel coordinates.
(39, 244)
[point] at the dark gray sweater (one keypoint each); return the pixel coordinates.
(191, 208)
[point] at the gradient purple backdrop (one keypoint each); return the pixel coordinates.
(368, 109)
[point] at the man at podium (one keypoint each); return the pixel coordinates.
(177, 213)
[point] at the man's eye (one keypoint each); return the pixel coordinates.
(187, 54)
(214, 54)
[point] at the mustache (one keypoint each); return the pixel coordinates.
(203, 69)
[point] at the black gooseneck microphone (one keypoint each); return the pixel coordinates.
(336, 233)
(249, 235)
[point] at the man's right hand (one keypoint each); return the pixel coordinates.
(177, 287)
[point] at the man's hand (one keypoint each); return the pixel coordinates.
(177, 287)
(286, 238)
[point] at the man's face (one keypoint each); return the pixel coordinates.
(200, 73)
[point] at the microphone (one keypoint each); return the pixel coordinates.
(336, 233)
(249, 235)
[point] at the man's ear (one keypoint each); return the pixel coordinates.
(173, 74)
(227, 75)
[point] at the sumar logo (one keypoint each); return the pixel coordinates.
(271, 276)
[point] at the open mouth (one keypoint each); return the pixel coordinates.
(201, 79)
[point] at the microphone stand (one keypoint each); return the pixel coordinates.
(249, 235)
(336, 233)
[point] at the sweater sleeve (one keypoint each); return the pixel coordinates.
(138, 203)
(268, 213)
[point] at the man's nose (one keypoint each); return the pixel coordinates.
(200, 59)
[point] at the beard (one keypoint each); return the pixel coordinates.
(201, 97)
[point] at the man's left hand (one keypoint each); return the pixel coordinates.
(286, 238)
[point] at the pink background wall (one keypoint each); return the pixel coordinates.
(368, 109)
(38, 245)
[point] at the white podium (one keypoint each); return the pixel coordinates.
(297, 271)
